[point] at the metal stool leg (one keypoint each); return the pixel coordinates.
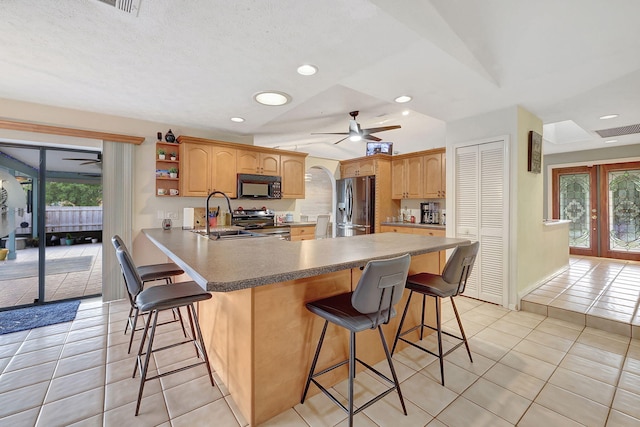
(143, 374)
(393, 370)
(315, 361)
(404, 314)
(464, 337)
(439, 331)
(200, 338)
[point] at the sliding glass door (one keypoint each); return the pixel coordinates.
(53, 242)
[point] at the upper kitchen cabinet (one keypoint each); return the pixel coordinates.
(357, 167)
(434, 175)
(256, 162)
(206, 167)
(407, 178)
(292, 167)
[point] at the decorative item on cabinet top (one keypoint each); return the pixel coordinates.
(170, 137)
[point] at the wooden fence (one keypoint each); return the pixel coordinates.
(65, 219)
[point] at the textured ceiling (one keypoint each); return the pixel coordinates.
(198, 63)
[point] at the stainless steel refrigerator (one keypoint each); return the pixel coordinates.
(355, 206)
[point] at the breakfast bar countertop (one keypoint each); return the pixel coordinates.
(230, 265)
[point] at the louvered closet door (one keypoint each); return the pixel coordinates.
(481, 214)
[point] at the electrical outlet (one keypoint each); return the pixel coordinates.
(160, 214)
(172, 215)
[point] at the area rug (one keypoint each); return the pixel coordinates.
(37, 316)
(18, 270)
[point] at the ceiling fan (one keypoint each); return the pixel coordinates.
(85, 161)
(356, 133)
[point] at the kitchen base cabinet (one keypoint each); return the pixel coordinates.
(436, 261)
(307, 232)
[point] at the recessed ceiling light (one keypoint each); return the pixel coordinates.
(272, 98)
(609, 116)
(405, 113)
(402, 99)
(307, 70)
(237, 119)
(611, 141)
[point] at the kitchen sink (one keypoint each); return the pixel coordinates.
(229, 234)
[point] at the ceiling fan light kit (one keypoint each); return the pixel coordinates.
(356, 133)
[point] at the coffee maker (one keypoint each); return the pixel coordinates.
(430, 213)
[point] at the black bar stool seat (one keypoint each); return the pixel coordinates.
(148, 273)
(451, 283)
(153, 300)
(368, 307)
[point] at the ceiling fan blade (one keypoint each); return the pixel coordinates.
(330, 133)
(78, 159)
(340, 140)
(89, 162)
(371, 138)
(380, 129)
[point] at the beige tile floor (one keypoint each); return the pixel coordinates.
(597, 292)
(57, 286)
(528, 370)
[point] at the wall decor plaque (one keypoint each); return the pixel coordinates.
(535, 152)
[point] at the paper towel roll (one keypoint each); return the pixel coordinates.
(187, 219)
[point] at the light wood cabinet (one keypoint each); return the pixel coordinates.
(307, 232)
(434, 261)
(206, 168)
(292, 168)
(256, 162)
(434, 175)
(407, 178)
(164, 183)
(357, 167)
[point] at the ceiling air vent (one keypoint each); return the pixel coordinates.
(623, 130)
(129, 6)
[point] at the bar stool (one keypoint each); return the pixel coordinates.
(368, 307)
(154, 300)
(452, 282)
(148, 273)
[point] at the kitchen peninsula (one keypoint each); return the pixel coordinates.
(259, 336)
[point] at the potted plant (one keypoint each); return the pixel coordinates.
(173, 155)
(173, 172)
(69, 239)
(161, 153)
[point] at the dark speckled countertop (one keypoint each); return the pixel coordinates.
(229, 265)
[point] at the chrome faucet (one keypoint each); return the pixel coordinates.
(207, 208)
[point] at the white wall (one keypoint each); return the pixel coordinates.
(528, 260)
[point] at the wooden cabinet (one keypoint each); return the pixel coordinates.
(357, 167)
(434, 261)
(308, 232)
(207, 168)
(407, 178)
(165, 185)
(434, 175)
(256, 162)
(292, 168)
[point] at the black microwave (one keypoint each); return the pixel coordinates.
(259, 186)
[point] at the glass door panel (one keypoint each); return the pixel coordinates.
(574, 195)
(622, 211)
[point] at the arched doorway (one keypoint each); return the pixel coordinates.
(320, 195)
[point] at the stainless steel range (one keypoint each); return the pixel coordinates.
(259, 221)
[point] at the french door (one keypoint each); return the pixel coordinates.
(603, 204)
